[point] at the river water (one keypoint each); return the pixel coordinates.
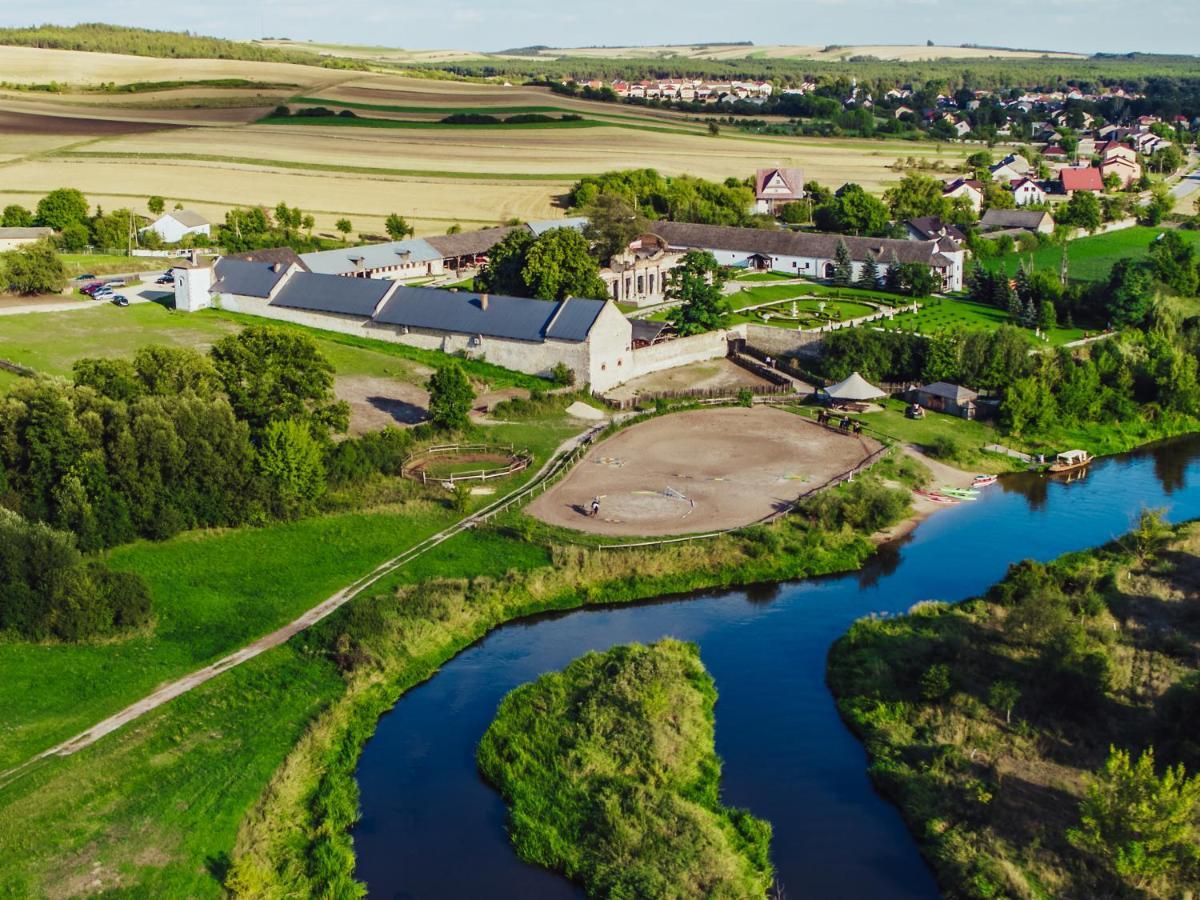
(431, 828)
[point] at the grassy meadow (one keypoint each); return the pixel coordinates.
(1091, 258)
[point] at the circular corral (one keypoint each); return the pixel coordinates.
(696, 471)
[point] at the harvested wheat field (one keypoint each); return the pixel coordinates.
(699, 471)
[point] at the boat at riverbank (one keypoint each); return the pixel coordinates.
(1070, 461)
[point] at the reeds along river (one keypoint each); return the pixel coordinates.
(431, 828)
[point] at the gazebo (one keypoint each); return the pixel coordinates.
(854, 389)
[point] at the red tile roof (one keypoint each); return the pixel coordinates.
(1087, 179)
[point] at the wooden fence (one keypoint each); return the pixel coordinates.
(729, 392)
(519, 461)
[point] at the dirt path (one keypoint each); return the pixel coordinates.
(182, 685)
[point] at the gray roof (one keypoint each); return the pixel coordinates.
(516, 318)
(285, 255)
(955, 392)
(778, 242)
(574, 319)
(14, 233)
(332, 294)
(249, 279)
(187, 218)
(469, 243)
(370, 256)
(1012, 218)
(542, 226)
(646, 329)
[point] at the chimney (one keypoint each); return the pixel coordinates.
(277, 267)
(483, 300)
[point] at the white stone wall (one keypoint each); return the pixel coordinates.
(680, 352)
(601, 361)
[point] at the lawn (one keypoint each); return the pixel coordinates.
(212, 593)
(1091, 258)
(51, 342)
(944, 314)
(811, 312)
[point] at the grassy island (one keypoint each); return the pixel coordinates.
(1041, 741)
(611, 777)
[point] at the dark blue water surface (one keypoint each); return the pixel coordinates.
(432, 829)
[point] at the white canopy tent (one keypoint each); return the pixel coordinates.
(853, 388)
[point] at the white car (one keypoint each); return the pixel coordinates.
(115, 284)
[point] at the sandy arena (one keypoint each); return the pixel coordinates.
(699, 471)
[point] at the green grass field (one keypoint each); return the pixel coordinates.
(1091, 258)
(51, 342)
(947, 314)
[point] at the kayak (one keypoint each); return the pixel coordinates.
(936, 497)
(960, 494)
(984, 480)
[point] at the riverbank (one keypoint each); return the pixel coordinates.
(296, 838)
(983, 719)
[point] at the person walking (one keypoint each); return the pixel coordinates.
(595, 507)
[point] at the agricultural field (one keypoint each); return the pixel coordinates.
(1091, 258)
(199, 144)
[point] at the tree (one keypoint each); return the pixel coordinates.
(843, 265)
(1130, 292)
(696, 284)
(289, 459)
(111, 231)
(74, 237)
(502, 274)
(613, 222)
(274, 374)
(558, 265)
(1139, 824)
(450, 397)
(1003, 697)
(16, 216)
(852, 211)
(397, 227)
(156, 205)
(308, 223)
(891, 278)
(344, 227)
(33, 269)
(868, 277)
(62, 207)
(917, 279)
(915, 196)
(1082, 211)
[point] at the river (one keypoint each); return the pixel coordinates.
(431, 828)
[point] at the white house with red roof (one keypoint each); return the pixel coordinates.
(775, 188)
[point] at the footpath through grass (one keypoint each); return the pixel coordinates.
(163, 806)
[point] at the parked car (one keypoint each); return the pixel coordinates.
(116, 283)
(120, 300)
(104, 292)
(87, 277)
(90, 289)
(165, 279)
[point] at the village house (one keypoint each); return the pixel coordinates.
(930, 228)
(966, 187)
(638, 274)
(174, 226)
(12, 237)
(590, 337)
(1016, 220)
(1026, 191)
(1081, 178)
(1127, 169)
(1011, 168)
(951, 399)
(775, 188)
(813, 254)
